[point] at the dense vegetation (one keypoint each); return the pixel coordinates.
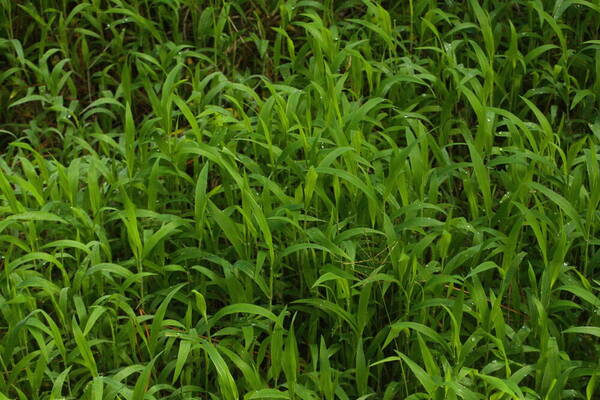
(255, 199)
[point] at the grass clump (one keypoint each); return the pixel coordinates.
(299, 199)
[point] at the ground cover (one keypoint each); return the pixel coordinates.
(299, 199)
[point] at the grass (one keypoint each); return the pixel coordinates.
(299, 199)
